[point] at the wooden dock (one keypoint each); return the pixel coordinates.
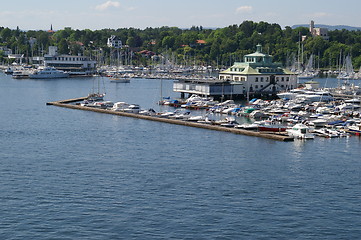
(73, 100)
(275, 136)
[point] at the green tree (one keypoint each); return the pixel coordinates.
(63, 47)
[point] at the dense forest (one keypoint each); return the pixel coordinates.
(219, 47)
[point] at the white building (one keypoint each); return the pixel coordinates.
(75, 65)
(258, 74)
(114, 42)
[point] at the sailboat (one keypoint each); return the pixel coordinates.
(117, 78)
(347, 72)
(308, 72)
(96, 95)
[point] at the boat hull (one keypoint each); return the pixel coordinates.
(271, 129)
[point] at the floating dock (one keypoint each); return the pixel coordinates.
(275, 136)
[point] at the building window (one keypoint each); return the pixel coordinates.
(236, 78)
(261, 86)
(282, 79)
(266, 79)
(261, 79)
(256, 79)
(287, 79)
(256, 86)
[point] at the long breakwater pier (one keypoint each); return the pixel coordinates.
(69, 103)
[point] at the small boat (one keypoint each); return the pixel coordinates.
(248, 126)
(119, 79)
(148, 112)
(270, 126)
(353, 100)
(181, 115)
(319, 122)
(196, 118)
(356, 129)
(327, 133)
(227, 122)
(300, 131)
(21, 74)
(119, 106)
(95, 96)
(97, 104)
(132, 108)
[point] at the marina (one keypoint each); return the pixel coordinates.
(70, 163)
(302, 115)
(65, 103)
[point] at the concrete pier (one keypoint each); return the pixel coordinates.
(275, 136)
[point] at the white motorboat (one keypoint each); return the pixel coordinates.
(47, 73)
(248, 126)
(148, 112)
(119, 106)
(182, 115)
(356, 128)
(196, 118)
(300, 131)
(307, 95)
(132, 108)
(21, 74)
(319, 122)
(328, 133)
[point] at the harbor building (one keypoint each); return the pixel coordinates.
(74, 65)
(257, 75)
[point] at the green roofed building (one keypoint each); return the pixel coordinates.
(256, 76)
(259, 74)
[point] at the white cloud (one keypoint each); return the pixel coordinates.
(244, 9)
(107, 5)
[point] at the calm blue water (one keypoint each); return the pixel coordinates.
(69, 174)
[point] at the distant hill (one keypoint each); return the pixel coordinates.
(331, 28)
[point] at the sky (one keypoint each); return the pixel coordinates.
(113, 14)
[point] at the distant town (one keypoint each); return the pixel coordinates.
(262, 58)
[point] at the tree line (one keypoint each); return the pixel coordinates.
(220, 47)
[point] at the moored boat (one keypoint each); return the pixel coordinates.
(48, 73)
(300, 131)
(119, 79)
(270, 126)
